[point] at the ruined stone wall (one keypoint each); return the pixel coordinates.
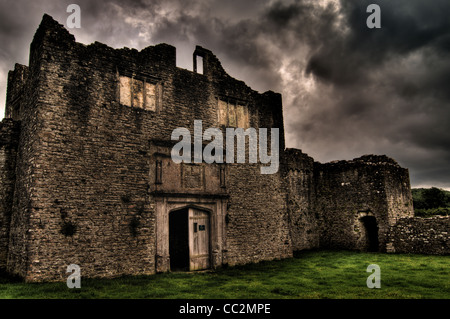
(298, 174)
(347, 191)
(82, 192)
(418, 235)
(257, 227)
(257, 220)
(9, 139)
(398, 193)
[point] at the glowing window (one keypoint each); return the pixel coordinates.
(233, 114)
(137, 93)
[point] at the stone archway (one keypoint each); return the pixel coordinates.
(209, 216)
(370, 226)
(367, 229)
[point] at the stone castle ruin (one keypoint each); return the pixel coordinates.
(87, 176)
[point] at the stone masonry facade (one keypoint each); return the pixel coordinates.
(87, 177)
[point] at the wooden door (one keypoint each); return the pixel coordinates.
(199, 233)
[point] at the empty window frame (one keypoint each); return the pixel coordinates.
(138, 93)
(199, 64)
(232, 114)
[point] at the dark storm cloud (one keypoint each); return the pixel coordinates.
(406, 27)
(348, 90)
(391, 87)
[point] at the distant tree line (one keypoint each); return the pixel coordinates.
(430, 202)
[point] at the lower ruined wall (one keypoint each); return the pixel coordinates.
(344, 204)
(9, 134)
(349, 194)
(421, 236)
(345, 191)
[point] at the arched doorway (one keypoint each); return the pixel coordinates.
(371, 233)
(189, 239)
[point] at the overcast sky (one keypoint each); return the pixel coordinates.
(347, 90)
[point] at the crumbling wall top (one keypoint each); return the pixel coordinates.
(295, 159)
(364, 160)
(54, 36)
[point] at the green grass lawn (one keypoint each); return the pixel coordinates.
(311, 274)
